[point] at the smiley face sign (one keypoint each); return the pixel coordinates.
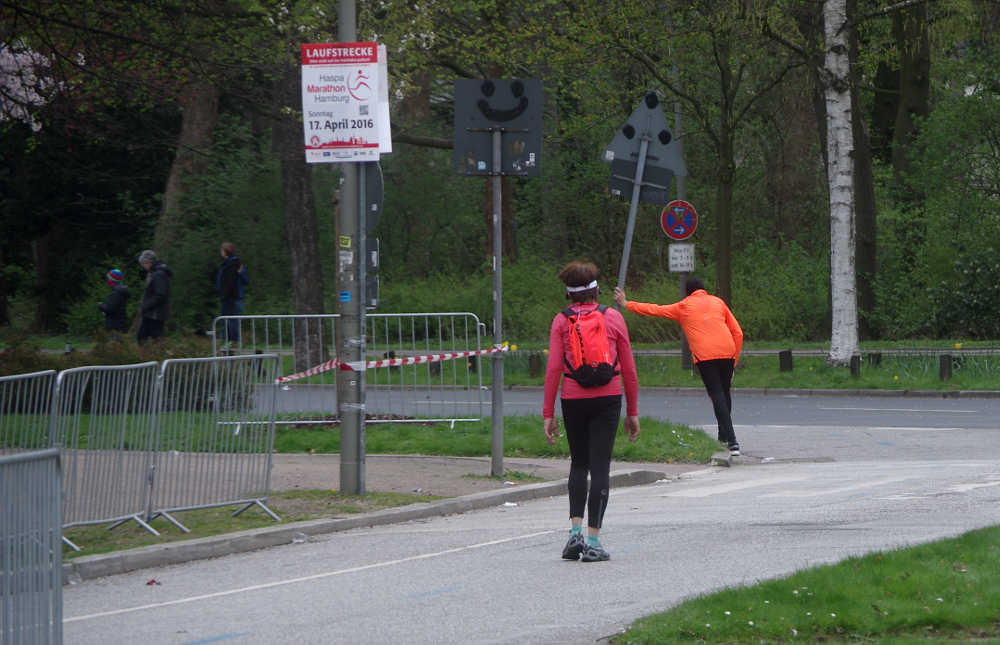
(514, 106)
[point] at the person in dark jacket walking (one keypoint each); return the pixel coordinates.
(229, 283)
(115, 318)
(155, 305)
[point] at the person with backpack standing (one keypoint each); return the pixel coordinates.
(590, 352)
(715, 338)
(229, 282)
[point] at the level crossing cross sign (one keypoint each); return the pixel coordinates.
(679, 220)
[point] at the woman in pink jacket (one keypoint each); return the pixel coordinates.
(715, 339)
(590, 413)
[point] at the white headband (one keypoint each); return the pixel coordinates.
(592, 285)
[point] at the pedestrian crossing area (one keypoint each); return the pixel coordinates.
(900, 480)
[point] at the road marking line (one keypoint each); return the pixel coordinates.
(705, 491)
(318, 576)
(841, 489)
(964, 488)
(897, 410)
(224, 637)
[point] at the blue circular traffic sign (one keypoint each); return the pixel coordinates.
(679, 220)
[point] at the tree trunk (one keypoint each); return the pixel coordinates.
(724, 220)
(45, 308)
(913, 43)
(840, 146)
(884, 109)
(865, 210)
(725, 178)
(553, 214)
(200, 111)
(4, 313)
(301, 225)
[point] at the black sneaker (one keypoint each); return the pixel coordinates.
(574, 547)
(594, 554)
(734, 450)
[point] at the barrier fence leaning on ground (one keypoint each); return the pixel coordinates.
(449, 390)
(25, 413)
(30, 549)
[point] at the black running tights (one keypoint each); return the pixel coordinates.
(718, 375)
(591, 426)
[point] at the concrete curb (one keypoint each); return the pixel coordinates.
(108, 564)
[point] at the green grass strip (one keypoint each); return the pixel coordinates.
(947, 590)
(660, 441)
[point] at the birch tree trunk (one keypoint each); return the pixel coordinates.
(840, 151)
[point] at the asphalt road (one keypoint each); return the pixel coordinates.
(814, 494)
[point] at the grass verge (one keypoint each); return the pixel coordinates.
(945, 591)
(660, 441)
(290, 506)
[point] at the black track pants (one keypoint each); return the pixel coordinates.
(591, 426)
(718, 375)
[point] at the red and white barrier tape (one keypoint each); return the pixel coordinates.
(361, 366)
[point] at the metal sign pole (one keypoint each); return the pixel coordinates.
(350, 326)
(496, 444)
(686, 363)
(634, 205)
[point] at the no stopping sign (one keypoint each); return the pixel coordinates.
(679, 220)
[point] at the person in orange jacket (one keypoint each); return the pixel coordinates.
(715, 339)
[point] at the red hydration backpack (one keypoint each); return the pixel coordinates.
(591, 364)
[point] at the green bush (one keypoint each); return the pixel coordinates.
(969, 305)
(24, 356)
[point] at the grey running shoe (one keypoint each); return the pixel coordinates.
(594, 554)
(575, 545)
(734, 449)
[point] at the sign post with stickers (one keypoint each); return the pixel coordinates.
(345, 120)
(498, 133)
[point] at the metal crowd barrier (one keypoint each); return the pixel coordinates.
(215, 434)
(301, 341)
(448, 391)
(30, 549)
(103, 423)
(142, 441)
(443, 391)
(25, 413)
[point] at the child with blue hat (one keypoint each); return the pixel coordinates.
(115, 317)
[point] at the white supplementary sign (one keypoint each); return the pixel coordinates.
(681, 258)
(340, 102)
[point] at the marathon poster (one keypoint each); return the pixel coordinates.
(340, 106)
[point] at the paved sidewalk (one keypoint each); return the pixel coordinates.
(384, 473)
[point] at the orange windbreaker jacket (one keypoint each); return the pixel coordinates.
(712, 331)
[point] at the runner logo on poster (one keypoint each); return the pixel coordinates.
(340, 101)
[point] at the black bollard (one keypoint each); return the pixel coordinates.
(945, 367)
(785, 360)
(856, 365)
(534, 365)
